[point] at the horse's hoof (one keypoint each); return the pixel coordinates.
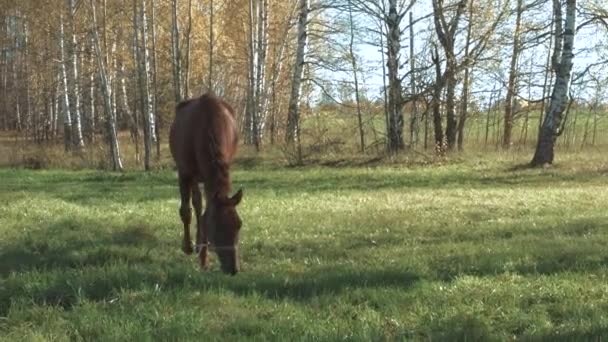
(187, 248)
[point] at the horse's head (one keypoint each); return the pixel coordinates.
(224, 225)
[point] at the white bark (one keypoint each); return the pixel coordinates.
(251, 111)
(107, 95)
(67, 118)
(77, 129)
(175, 52)
(293, 114)
(260, 82)
(188, 52)
(353, 61)
(559, 99)
(92, 104)
(154, 78)
(395, 115)
(211, 19)
(150, 131)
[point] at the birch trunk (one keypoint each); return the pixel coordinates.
(67, 117)
(437, 90)
(149, 133)
(293, 114)
(175, 52)
(414, 120)
(512, 85)
(130, 114)
(154, 79)
(211, 19)
(188, 60)
(5, 90)
(277, 68)
(26, 67)
(260, 80)
(466, 82)
(77, 139)
(57, 100)
(559, 99)
(139, 101)
(395, 115)
(250, 114)
(107, 95)
(93, 104)
(353, 61)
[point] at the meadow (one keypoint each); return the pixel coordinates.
(467, 249)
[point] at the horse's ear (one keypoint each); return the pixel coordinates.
(233, 201)
(236, 199)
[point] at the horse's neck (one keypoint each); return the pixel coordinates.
(219, 184)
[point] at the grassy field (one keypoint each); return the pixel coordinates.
(471, 250)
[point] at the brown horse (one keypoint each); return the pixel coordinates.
(203, 141)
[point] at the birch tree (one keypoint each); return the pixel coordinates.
(77, 139)
(353, 61)
(562, 66)
(106, 89)
(149, 130)
(293, 113)
(67, 115)
(175, 53)
(210, 61)
(257, 52)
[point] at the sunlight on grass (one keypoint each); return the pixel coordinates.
(466, 250)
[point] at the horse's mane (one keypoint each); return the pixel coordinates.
(220, 167)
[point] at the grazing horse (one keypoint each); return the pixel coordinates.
(203, 141)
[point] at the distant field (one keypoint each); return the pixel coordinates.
(470, 250)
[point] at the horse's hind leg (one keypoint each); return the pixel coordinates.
(185, 212)
(201, 232)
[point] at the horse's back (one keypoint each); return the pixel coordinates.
(198, 124)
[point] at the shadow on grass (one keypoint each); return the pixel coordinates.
(71, 265)
(78, 246)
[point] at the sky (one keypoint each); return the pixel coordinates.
(586, 43)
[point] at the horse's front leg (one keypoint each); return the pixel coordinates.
(185, 213)
(201, 232)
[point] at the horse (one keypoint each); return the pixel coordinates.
(203, 141)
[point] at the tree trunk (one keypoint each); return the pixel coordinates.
(154, 79)
(465, 83)
(260, 79)
(77, 139)
(250, 113)
(149, 130)
(188, 53)
(175, 51)
(437, 90)
(277, 68)
(67, 118)
(395, 133)
(210, 75)
(551, 125)
(512, 85)
(293, 114)
(446, 36)
(414, 120)
(92, 95)
(107, 96)
(354, 66)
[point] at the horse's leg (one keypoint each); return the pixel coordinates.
(201, 231)
(185, 212)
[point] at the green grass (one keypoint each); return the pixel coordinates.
(470, 250)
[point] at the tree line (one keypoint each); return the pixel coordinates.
(81, 70)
